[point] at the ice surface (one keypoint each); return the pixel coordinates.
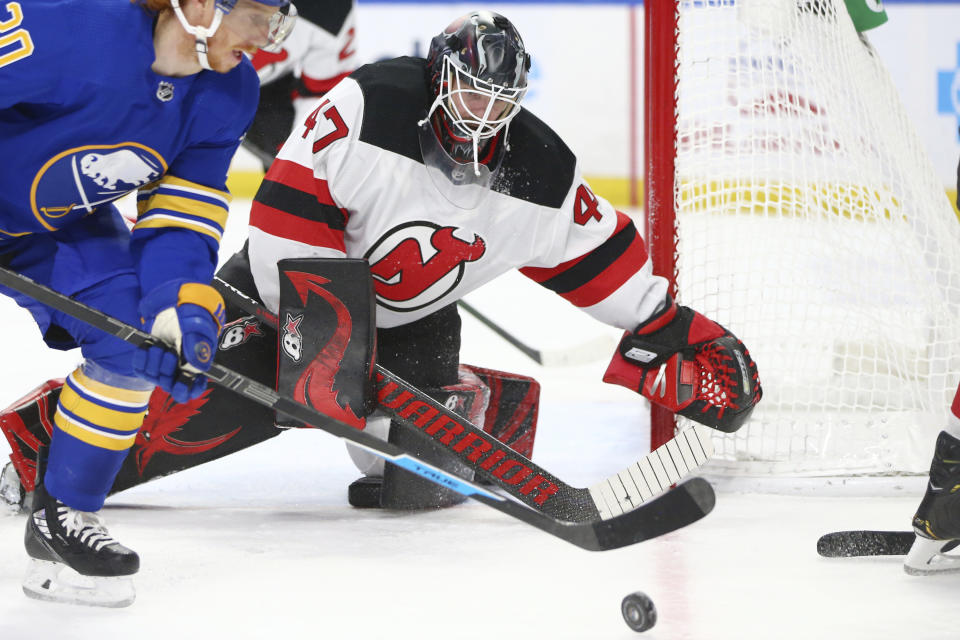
(262, 544)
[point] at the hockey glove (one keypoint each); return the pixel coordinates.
(681, 360)
(186, 318)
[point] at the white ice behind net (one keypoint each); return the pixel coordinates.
(813, 225)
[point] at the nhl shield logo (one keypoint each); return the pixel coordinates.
(165, 91)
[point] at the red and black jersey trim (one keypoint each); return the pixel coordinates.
(589, 279)
(294, 204)
(301, 204)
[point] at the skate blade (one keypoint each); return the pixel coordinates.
(55, 582)
(929, 557)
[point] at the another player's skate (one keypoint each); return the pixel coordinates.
(937, 521)
(74, 559)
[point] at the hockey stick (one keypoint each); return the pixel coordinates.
(266, 159)
(581, 354)
(523, 479)
(677, 508)
(852, 544)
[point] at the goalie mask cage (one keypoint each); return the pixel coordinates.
(789, 198)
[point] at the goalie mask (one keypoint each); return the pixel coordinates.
(244, 20)
(478, 75)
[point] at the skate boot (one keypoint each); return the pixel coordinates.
(73, 558)
(937, 521)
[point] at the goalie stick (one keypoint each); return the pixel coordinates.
(581, 354)
(494, 461)
(853, 544)
(679, 507)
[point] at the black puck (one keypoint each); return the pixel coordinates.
(638, 611)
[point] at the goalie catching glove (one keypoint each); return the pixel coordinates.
(682, 360)
(186, 317)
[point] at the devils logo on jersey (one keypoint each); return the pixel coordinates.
(417, 263)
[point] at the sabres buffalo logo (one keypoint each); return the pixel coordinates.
(417, 263)
(75, 182)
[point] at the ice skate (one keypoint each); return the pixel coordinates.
(73, 559)
(937, 521)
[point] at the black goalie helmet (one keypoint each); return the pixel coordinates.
(478, 74)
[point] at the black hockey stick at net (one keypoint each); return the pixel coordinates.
(512, 472)
(857, 543)
(675, 509)
(563, 357)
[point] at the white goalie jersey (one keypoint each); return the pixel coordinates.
(351, 182)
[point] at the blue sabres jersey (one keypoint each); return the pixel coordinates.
(84, 121)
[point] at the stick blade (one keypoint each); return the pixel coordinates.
(685, 504)
(853, 544)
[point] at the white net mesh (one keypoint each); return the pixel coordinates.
(812, 224)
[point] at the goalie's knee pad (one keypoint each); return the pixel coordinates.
(401, 489)
(378, 425)
(502, 404)
(404, 490)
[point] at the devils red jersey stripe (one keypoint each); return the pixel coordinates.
(293, 204)
(589, 279)
(319, 86)
(292, 227)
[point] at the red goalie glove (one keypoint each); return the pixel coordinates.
(684, 361)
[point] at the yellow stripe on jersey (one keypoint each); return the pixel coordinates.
(186, 185)
(166, 221)
(175, 202)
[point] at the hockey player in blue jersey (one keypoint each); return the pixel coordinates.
(99, 98)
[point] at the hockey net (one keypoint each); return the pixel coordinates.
(790, 199)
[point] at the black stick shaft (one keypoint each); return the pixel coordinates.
(530, 352)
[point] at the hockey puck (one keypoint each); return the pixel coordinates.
(638, 611)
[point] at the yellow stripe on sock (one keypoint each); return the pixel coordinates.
(109, 393)
(92, 436)
(91, 411)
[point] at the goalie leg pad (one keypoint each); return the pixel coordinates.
(403, 490)
(326, 337)
(28, 424)
(511, 415)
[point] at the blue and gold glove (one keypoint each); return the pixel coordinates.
(186, 318)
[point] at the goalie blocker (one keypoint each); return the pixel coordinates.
(682, 360)
(175, 437)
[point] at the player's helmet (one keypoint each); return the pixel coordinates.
(478, 74)
(272, 32)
